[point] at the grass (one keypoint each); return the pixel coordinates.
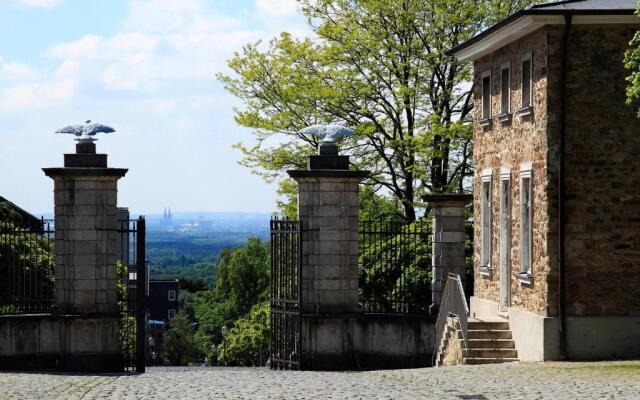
(604, 366)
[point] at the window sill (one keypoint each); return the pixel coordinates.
(486, 271)
(525, 111)
(486, 122)
(525, 278)
(505, 117)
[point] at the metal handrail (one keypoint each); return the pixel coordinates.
(454, 303)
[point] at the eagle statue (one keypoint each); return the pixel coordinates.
(328, 133)
(86, 132)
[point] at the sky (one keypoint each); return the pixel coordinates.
(146, 68)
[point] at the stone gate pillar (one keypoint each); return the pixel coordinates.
(328, 207)
(448, 241)
(85, 197)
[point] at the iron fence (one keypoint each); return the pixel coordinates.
(27, 267)
(132, 284)
(395, 267)
(286, 294)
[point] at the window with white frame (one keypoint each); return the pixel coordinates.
(172, 295)
(526, 220)
(485, 217)
(486, 95)
(171, 314)
(527, 81)
(505, 88)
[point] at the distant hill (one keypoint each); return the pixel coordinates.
(188, 245)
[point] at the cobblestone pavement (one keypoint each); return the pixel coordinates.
(610, 380)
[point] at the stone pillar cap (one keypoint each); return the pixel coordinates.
(84, 172)
(448, 198)
(327, 173)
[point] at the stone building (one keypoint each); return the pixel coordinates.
(557, 182)
(11, 212)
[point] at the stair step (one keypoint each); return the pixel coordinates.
(489, 325)
(490, 343)
(492, 353)
(488, 360)
(487, 334)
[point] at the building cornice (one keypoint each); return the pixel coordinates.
(513, 29)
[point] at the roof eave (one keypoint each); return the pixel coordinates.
(525, 22)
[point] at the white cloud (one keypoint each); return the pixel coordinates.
(33, 96)
(85, 47)
(16, 70)
(276, 8)
(177, 16)
(153, 80)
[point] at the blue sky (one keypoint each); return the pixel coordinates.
(145, 67)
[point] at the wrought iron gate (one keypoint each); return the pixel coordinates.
(27, 265)
(132, 292)
(286, 294)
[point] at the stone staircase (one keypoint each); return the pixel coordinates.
(490, 342)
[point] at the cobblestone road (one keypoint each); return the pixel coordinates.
(618, 380)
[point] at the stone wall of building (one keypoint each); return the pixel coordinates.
(602, 172)
(510, 144)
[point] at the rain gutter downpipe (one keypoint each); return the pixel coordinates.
(561, 190)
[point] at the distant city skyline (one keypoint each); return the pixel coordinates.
(145, 67)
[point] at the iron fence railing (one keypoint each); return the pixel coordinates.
(286, 294)
(27, 267)
(454, 304)
(395, 266)
(132, 285)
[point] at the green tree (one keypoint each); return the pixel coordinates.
(179, 341)
(187, 304)
(27, 262)
(127, 320)
(247, 343)
(375, 207)
(393, 280)
(632, 63)
(242, 281)
(379, 66)
(192, 285)
(8, 214)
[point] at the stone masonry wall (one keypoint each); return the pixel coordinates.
(602, 172)
(509, 144)
(328, 209)
(86, 245)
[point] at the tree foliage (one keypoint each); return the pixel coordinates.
(632, 63)
(395, 267)
(379, 66)
(242, 282)
(248, 341)
(9, 214)
(27, 262)
(179, 341)
(127, 320)
(375, 207)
